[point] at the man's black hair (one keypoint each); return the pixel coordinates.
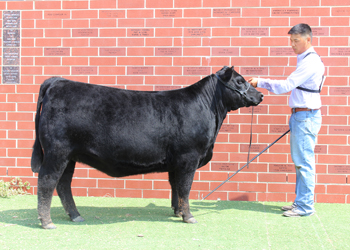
(302, 28)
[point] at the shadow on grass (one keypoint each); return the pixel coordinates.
(98, 215)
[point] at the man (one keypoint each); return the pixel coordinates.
(305, 122)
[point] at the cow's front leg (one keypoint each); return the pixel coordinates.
(64, 191)
(174, 195)
(183, 183)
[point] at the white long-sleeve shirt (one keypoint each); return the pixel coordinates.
(308, 74)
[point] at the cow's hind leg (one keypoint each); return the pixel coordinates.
(174, 195)
(65, 193)
(183, 183)
(49, 174)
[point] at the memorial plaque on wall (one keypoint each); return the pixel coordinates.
(168, 52)
(281, 52)
(196, 71)
(286, 12)
(112, 51)
(287, 168)
(340, 51)
(224, 167)
(11, 19)
(140, 32)
(168, 13)
(320, 31)
(11, 38)
(226, 12)
(340, 91)
(197, 32)
(140, 71)
(57, 51)
(11, 41)
(339, 169)
(225, 51)
(256, 71)
(255, 31)
(10, 74)
(11, 56)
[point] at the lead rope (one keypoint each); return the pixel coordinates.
(251, 135)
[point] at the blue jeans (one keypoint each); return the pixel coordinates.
(304, 127)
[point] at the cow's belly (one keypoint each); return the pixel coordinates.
(120, 168)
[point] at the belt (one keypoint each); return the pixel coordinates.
(294, 110)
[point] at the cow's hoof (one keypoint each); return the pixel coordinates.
(191, 221)
(49, 226)
(78, 219)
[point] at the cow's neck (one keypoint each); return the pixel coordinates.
(213, 97)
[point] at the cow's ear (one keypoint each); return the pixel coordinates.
(227, 74)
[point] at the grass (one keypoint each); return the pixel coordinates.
(122, 223)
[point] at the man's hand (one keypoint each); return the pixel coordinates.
(253, 82)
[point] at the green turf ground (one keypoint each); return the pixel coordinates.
(116, 223)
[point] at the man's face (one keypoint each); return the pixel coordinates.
(300, 43)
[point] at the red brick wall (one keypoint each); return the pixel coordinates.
(168, 44)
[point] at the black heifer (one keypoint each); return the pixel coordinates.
(122, 132)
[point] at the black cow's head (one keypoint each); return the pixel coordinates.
(238, 92)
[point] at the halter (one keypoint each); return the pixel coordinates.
(242, 93)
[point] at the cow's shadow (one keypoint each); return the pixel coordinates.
(98, 215)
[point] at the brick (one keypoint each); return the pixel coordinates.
(128, 193)
(338, 189)
(128, 23)
(76, 14)
(158, 42)
(103, 42)
(139, 184)
(71, 5)
(75, 61)
(56, 71)
(47, 61)
(100, 23)
(148, 13)
(20, 5)
(128, 42)
(219, 3)
(187, 4)
(168, 71)
(32, 33)
(159, 4)
(44, 42)
(57, 33)
(299, 3)
(76, 23)
(245, 21)
(188, 22)
(229, 32)
(274, 3)
(20, 172)
(274, 21)
(216, 22)
(112, 32)
(111, 183)
(158, 80)
(130, 61)
(84, 182)
(106, 4)
(75, 42)
(160, 61)
(111, 70)
(331, 179)
(47, 5)
(216, 42)
(84, 51)
(335, 21)
(197, 13)
(267, 177)
(251, 3)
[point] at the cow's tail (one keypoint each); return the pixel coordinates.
(38, 154)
